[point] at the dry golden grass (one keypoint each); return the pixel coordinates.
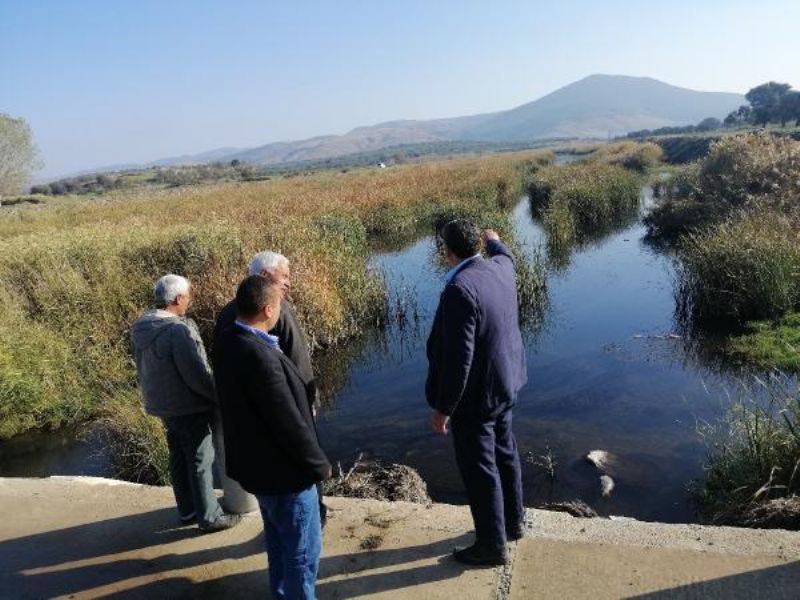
(74, 274)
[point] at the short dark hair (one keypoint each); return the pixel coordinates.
(253, 294)
(461, 237)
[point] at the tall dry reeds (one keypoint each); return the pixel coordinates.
(74, 275)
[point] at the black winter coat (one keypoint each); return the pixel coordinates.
(271, 444)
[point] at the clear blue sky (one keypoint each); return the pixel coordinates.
(121, 81)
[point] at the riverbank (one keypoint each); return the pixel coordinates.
(86, 538)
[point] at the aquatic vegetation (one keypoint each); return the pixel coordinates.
(753, 465)
(768, 344)
(582, 202)
(636, 156)
(745, 268)
(134, 440)
(74, 275)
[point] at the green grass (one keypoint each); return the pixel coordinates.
(753, 460)
(744, 269)
(769, 344)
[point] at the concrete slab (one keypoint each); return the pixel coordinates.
(557, 569)
(84, 539)
(92, 538)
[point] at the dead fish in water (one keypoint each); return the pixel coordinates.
(606, 485)
(599, 458)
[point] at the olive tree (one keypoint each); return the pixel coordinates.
(18, 154)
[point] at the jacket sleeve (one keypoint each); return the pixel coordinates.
(191, 361)
(499, 252)
(275, 403)
(459, 322)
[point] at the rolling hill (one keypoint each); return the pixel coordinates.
(597, 106)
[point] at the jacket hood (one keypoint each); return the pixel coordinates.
(150, 325)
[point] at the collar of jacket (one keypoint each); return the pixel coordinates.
(452, 272)
(271, 340)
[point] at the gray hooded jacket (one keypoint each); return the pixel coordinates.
(171, 362)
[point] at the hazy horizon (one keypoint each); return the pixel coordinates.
(112, 83)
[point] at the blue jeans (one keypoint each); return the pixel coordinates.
(294, 542)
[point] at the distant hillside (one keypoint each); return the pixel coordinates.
(604, 105)
(594, 107)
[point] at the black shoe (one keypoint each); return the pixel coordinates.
(221, 524)
(186, 519)
(480, 556)
(515, 533)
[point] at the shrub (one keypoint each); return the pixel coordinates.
(630, 155)
(742, 269)
(752, 171)
(750, 168)
(753, 464)
(136, 441)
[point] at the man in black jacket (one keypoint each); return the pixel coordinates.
(271, 441)
(476, 368)
(293, 343)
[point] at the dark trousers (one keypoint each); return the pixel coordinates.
(487, 456)
(191, 457)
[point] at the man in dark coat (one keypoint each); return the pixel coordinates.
(476, 368)
(293, 343)
(271, 441)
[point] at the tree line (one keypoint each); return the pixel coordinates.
(770, 102)
(767, 103)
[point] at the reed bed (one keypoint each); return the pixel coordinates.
(75, 274)
(580, 202)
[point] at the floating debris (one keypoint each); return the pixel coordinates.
(606, 485)
(599, 458)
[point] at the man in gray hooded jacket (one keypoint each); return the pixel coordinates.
(178, 387)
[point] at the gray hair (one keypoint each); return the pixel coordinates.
(168, 288)
(267, 261)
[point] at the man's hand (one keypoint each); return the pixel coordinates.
(490, 234)
(440, 422)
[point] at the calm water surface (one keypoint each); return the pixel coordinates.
(604, 373)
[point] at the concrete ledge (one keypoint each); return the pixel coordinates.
(87, 539)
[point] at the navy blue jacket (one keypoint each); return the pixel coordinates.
(476, 360)
(271, 444)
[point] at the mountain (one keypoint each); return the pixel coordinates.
(597, 106)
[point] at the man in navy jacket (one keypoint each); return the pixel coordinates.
(271, 442)
(476, 368)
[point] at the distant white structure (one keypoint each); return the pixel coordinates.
(382, 165)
